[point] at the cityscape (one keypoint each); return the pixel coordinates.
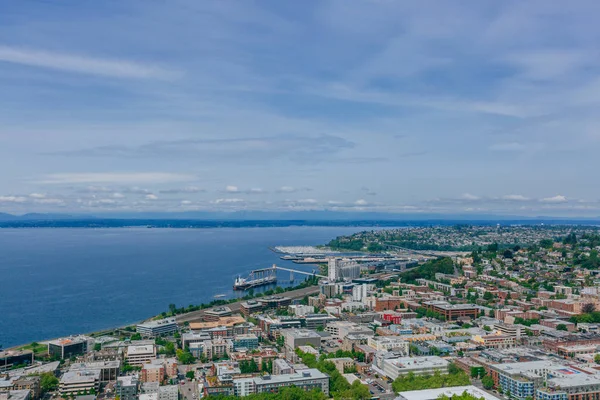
(514, 317)
(299, 200)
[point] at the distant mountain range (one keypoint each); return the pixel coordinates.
(270, 218)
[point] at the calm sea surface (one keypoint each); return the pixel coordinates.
(56, 282)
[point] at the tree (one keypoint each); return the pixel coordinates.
(597, 358)
(487, 382)
(169, 348)
(561, 327)
(507, 254)
(588, 308)
(172, 308)
(185, 357)
(97, 347)
(48, 382)
(136, 336)
(190, 374)
(488, 296)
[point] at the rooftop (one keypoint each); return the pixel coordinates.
(431, 394)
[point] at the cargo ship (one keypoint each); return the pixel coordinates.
(258, 277)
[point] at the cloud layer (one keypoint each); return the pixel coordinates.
(392, 106)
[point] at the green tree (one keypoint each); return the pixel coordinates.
(597, 358)
(169, 348)
(487, 382)
(48, 382)
(136, 336)
(190, 375)
(185, 357)
(97, 347)
(561, 327)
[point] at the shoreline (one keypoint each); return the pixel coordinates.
(180, 318)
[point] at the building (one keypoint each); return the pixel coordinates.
(250, 307)
(301, 310)
(342, 363)
(13, 358)
(393, 366)
(522, 379)
(389, 343)
(282, 367)
(193, 337)
(168, 392)
(452, 312)
(16, 395)
(314, 321)
(434, 394)
(275, 302)
(153, 372)
(161, 327)
(495, 341)
(215, 314)
(127, 387)
(307, 380)
(140, 355)
(300, 337)
(74, 382)
(70, 347)
(109, 370)
(217, 348)
(248, 342)
(334, 266)
(341, 329)
(29, 382)
(576, 386)
(512, 330)
(352, 340)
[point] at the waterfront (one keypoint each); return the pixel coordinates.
(57, 282)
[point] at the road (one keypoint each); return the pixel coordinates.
(235, 307)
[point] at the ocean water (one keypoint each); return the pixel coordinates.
(56, 282)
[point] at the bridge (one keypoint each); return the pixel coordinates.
(295, 271)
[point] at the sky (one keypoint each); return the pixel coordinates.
(477, 106)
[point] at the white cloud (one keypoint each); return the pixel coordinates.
(115, 177)
(555, 199)
(361, 202)
(515, 197)
(185, 202)
(287, 189)
(37, 195)
(232, 189)
(307, 201)
(255, 191)
(151, 197)
(226, 201)
(83, 64)
(117, 195)
(468, 196)
(13, 199)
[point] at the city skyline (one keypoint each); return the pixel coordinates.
(370, 106)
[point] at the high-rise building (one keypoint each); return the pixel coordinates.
(334, 266)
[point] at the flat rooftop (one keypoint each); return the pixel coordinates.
(432, 394)
(223, 321)
(73, 377)
(158, 323)
(137, 350)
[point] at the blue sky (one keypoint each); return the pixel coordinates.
(379, 105)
